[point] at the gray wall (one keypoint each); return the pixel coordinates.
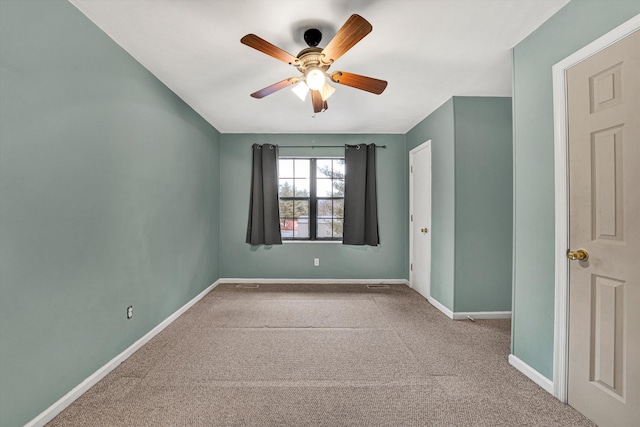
(109, 190)
(484, 203)
(574, 26)
(439, 128)
(295, 260)
(471, 147)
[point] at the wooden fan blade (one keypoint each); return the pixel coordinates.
(274, 88)
(351, 33)
(359, 82)
(264, 46)
(316, 99)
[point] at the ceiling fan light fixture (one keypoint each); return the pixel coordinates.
(315, 78)
(313, 62)
(326, 91)
(301, 90)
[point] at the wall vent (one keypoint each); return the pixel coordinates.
(248, 285)
(378, 286)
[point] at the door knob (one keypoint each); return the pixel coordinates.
(580, 255)
(424, 230)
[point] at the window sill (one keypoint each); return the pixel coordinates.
(297, 242)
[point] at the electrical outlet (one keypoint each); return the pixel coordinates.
(316, 262)
(129, 312)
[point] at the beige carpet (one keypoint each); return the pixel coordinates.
(320, 355)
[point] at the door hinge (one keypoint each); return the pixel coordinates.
(411, 217)
(411, 266)
(411, 168)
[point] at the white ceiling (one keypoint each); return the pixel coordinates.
(428, 51)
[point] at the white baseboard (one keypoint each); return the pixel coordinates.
(303, 281)
(532, 374)
(481, 315)
(437, 304)
(465, 315)
(66, 400)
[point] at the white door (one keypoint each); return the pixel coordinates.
(603, 98)
(420, 218)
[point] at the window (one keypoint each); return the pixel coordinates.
(311, 192)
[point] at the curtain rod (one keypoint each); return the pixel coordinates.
(322, 146)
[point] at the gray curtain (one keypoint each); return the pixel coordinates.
(360, 200)
(264, 211)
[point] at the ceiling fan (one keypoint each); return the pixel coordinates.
(313, 62)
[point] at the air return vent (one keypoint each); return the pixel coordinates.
(248, 285)
(378, 286)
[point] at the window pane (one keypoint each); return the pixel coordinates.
(295, 182)
(338, 168)
(337, 227)
(302, 218)
(286, 208)
(287, 227)
(325, 208)
(338, 208)
(285, 188)
(301, 208)
(323, 167)
(285, 168)
(323, 188)
(302, 232)
(302, 168)
(338, 188)
(302, 187)
(324, 229)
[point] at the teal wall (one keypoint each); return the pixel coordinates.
(471, 144)
(484, 203)
(574, 26)
(439, 128)
(295, 260)
(109, 190)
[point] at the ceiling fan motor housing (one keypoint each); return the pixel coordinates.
(312, 57)
(312, 37)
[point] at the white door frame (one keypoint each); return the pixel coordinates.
(424, 145)
(561, 315)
